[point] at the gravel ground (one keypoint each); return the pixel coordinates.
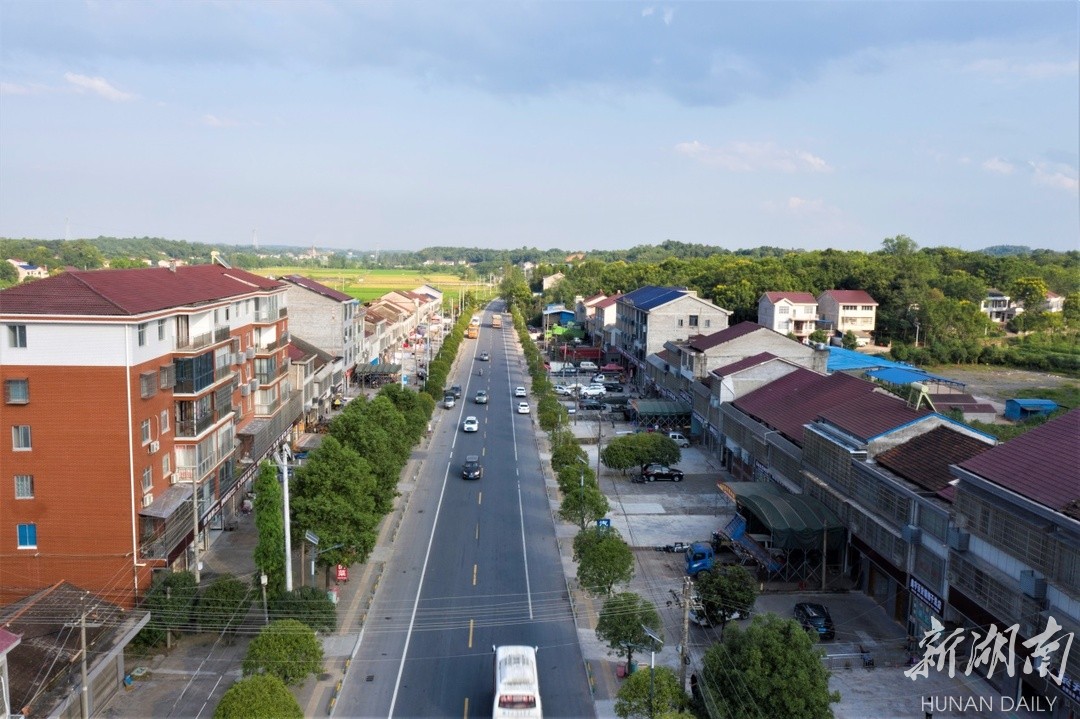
(996, 384)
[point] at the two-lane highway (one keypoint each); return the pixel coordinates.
(475, 564)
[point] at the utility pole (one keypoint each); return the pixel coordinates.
(84, 692)
(684, 648)
(195, 522)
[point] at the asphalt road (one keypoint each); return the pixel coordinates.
(475, 564)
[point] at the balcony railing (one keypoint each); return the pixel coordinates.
(265, 316)
(271, 347)
(194, 427)
(268, 377)
(200, 342)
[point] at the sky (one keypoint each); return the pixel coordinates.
(577, 125)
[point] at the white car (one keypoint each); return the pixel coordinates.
(563, 390)
(471, 424)
(523, 408)
(593, 392)
(520, 392)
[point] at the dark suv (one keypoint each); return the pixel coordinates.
(655, 472)
(472, 469)
(456, 391)
(815, 618)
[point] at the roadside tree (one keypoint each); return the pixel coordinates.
(603, 559)
(583, 506)
(270, 525)
(621, 623)
(776, 667)
(668, 700)
(223, 605)
(725, 592)
(258, 697)
(287, 649)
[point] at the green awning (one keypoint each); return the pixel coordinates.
(796, 521)
(660, 408)
(383, 368)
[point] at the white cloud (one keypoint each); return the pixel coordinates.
(97, 85)
(998, 166)
(669, 15)
(10, 88)
(1057, 176)
(753, 157)
(215, 121)
(1005, 69)
(647, 11)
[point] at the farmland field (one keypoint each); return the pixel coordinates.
(366, 285)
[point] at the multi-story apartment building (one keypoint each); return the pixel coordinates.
(848, 310)
(137, 403)
(789, 313)
(650, 316)
(330, 320)
(1014, 557)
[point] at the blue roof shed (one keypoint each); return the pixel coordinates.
(1020, 409)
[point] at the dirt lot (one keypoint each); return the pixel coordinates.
(996, 384)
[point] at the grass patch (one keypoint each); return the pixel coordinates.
(367, 285)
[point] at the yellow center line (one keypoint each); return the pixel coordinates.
(471, 622)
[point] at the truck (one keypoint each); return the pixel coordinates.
(472, 332)
(700, 558)
(496, 321)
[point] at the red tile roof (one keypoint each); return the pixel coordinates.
(860, 297)
(609, 301)
(130, 292)
(871, 414)
(1042, 464)
(751, 361)
(797, 297)
(704, 342)
(799, 397)
(924, 460)
(317, 287)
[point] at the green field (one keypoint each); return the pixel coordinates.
(367, 285)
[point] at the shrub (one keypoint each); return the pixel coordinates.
(287, 649)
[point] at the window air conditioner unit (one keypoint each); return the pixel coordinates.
(237, 358)
(957, 539)
(245, 390)
(254, 384)
(154, 446)
(1032, 586)
(250, 353)
(173, 479)
(148, 499)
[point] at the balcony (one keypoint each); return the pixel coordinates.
(269, 315)
(271, 347)
(268, 377)
(189, 428)
(198, 343)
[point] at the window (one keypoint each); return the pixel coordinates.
(166, 465)
(16, 391)
(147, 479)
(849, 308)
(27, 536)
(679, 322)
(167, 376)
(142, 334)
(693, 320)
(16, 335)
(148, 384)
(145, 431)
(783, 309)
(163, 421)
(24, 486)
(867, 308)
(20, 437)
(161, 329)
(708, 323)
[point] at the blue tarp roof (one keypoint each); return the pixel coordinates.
(878, 367)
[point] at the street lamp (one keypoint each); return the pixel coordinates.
(583, 465)
(652, 664)
(282, 458)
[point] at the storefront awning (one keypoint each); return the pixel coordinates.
(168, 502)
(381, 368)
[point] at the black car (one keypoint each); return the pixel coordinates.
(472, 469)
(456, 391)
(657, 472)
(613, 387)
(590, 404)
(815, 618)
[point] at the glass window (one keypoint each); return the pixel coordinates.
(142, 334)
(783, 309)
(20, 437)
(148, 384)
(17, 335)
(161, 329)
(693, 320)
(24, 486)
(708, 323)
(163, 420)
(166, 465)
(16, 391)
(147, 479)
(679, 322)
(27, 536)
(145, 431)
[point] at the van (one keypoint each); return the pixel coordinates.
(679, 439)
(588, 366)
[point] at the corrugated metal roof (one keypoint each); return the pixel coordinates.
(130, 292)
(924, 460)
(751, 361)
(843, 360)
(704, 342)
(1042, 464)
(319, 288)
(861, 297)
(871, 414)
(799, 397)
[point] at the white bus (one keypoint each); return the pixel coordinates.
(517, 683)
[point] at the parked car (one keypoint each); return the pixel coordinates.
(563, 390)
(593, 392)
(601, 378)
(565, 372)
(660, 472)
(520, 392)
(587, 366)
(590, 404)
(613, 387)
(471, 424)
(815, 617)
(481, 397)
(523, 408)
(472, 469)
(448, 401)
(456, 391)
(679, 439)
(702, 620)
(484, 357)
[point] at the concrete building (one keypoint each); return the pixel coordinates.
(25, 269)
(794, 313)
(998, 306)
(651, 316)
(848, 310)
(329, 320)
(152, 393)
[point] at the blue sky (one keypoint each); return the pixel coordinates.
(579, 125)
